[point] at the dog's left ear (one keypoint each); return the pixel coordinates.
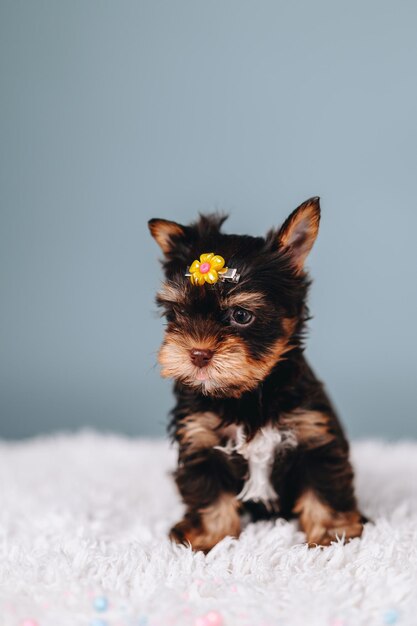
(299, 231)
(166, 234)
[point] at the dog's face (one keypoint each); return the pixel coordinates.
(223, 339)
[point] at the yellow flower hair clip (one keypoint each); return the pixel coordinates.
(209, 269)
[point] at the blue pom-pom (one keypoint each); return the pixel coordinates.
(101, 603)
(390, 616)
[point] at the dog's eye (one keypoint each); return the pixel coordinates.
(170, 316)
(241, 317)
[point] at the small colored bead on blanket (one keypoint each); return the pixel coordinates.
(391, 616)
(213, 618)
(101, 603)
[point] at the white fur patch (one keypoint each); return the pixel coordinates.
(260, 453)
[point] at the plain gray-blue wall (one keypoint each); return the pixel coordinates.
(115, 112)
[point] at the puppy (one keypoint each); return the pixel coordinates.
(255, 428)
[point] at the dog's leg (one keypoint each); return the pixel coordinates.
(204, 527)
(326, 504)
(208, 484)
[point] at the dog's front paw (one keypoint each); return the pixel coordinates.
(345, 526)
(205, 528)
(184, 532)
(181, 532)
(323, 524)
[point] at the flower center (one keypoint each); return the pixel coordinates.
(204, 268)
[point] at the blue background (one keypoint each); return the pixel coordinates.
(116, 112)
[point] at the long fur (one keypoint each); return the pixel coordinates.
(258, 384)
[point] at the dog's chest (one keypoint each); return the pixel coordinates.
(260, 454)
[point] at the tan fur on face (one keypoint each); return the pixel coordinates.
(322, 524)
(170, 292)
(232, 370)
(198, 431)
(218, 520)
(174, 356)
(251, 300)
(311, 428)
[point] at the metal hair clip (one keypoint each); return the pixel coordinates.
(210, 269)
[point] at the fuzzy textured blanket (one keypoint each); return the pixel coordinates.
(83, 524)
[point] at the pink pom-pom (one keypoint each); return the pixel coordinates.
(213, 618)
(29, 622)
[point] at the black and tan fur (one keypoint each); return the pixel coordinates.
(257, 379)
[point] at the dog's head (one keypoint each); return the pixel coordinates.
(223, 338)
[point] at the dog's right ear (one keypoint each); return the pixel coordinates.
(166, 234)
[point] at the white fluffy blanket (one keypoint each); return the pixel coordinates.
(83, 524)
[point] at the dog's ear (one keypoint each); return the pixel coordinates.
(166, 234)
(299, 231)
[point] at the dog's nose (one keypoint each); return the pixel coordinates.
(201, 357)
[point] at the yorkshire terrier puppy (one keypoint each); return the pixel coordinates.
(254, 426)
